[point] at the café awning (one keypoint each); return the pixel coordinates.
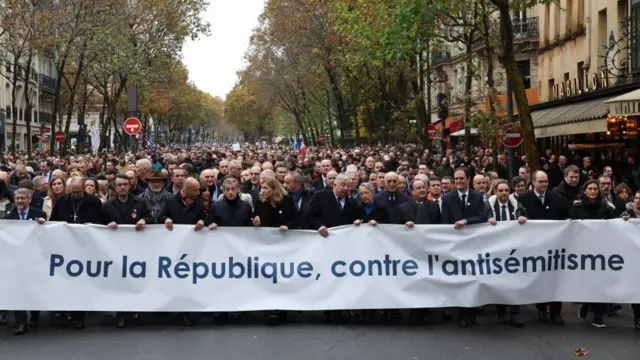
(578, 118)
(625, 105)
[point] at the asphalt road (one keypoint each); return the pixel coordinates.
(306, 337)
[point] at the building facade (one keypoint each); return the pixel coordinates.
(39, 115)
(588, 59)
(449, 72)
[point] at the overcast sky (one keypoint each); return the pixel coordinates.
(214, 60)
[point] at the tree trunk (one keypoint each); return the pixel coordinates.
(73, 88)
(508, 60)
(493, 119)
(467, 95)
(27, 102)
(14, 109)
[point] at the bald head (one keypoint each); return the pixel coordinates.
(391, 180)
(191, 183)
(480, 183)
(4, 176)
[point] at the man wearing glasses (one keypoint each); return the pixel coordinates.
(606, 189)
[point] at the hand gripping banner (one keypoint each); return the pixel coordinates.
(57, 266)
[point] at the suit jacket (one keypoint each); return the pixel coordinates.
(454, 210)
(286, 213)
(89, 210)
(128, 213)
(422, 214)
(303, 207)
(514, 208)
(324, 210)
(379, 214)
(554, 207)
(32, 214)
(382, 200)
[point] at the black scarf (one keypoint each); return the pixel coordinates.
(591, 206)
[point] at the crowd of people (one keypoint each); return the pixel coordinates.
(213, 186)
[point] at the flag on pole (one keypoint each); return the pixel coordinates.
(303, 148)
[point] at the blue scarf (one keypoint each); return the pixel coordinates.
(368, 208)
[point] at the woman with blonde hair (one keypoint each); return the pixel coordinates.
(57, 188)
(91, 186)
(275, 209)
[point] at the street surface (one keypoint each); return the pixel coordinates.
(308, 338)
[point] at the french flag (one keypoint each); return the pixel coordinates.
(303, 148)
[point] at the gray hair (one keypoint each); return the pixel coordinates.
(341, 177)
(298, 178)
(37, 180)
(368, 186)
(229, 181)
(234, 163)
(23, 191)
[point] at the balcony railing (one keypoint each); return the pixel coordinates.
(47, 83)
(438, 57)
(525, 28)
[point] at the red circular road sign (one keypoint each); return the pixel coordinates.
(511, 135)
(321, 138)
(132, 126)
(60, 136)
(431, 130)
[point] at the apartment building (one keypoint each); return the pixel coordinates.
(588, 60)
(39, 114)
(450, 72)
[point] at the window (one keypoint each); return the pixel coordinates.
(580, 72)
(569, 9)
(547, 20)
(524, 67)
(551, 88)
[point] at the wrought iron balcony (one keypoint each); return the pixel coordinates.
(525, 28)
(438, 57)
(47, 83)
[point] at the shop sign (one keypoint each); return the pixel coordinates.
(576, 87)
(625, 108)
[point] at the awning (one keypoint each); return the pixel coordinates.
(461, 132)
(577, 118)
(625, 105)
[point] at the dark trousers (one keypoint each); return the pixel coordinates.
(22, 317)
(555, 307)
(513, 309)
(467, 313)
(599, 309)
(77, 315)
(636, 310)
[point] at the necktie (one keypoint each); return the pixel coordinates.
(503, 214)
(392, 199)
(541, 197)
(23, 215)
(464, 200)
(438, 203)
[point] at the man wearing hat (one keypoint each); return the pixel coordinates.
(156, 196)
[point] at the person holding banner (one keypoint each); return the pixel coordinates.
(332, 208)
(462, 207)
(505, 207)
(22, 211)
(78, 207)
(542, 204)
(126, 209)
(275, 209)
(185, 208)
(591, 205)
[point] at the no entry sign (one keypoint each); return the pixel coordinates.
(132, 126)
(431, 130)
(511, 135)
(60, 136)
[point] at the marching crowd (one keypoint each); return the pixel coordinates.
(319, 188)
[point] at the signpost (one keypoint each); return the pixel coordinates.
(431, 130)
(511, 136)
(132, 126)
(321, 138)
(60, 136)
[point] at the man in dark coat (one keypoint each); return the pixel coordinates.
(22, 211)
(332, 208)
(185, 208)
(542, 204)
(391, 198)
(126, 209)
(294, 183)
(462, 207)
(419, 210)
(569, 189)
(78, 207)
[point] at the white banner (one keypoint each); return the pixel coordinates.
(76, 267)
